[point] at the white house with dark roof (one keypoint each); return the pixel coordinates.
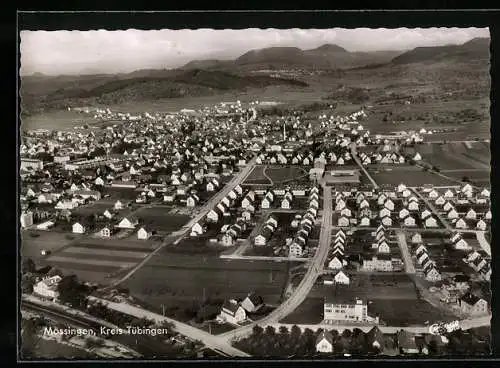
(341, 278)
(386, 221)
(416, 238)
(336, 263)
(78, 228)
(430, 222)
(324, 342)
(196, 229)
(460, 224)
(252, 303)
(481, 225)
(471, 214)
(128, 223)
(413, 206)
(232, 312)
(144, 233)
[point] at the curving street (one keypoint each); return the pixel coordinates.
(301, 292)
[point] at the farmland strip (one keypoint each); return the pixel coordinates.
(90, 261)
(105, 252)
(113, 247)
(105, 257)
(83, 267)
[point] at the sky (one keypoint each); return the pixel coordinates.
(101, 51)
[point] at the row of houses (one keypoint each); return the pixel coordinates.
(298, 244)
(267, 232)
(405, 342)
(378, 158)
(427, 265)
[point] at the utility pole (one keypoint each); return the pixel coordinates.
(163, 309)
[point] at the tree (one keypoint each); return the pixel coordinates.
(28, 266)
(270, 331)
(358, 341)
(465, 179)
(283, 330)
(206, 312)
(27, 283)
(54, 271)
(72, 291)
(257, 330)
(295, 331)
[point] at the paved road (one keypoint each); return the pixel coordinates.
(211, 341)
(433, 210)
(462, 170)
(409, 267)
(407, 229)
(315, 269)
(355, 157)
(464, 324)
(483, 242)
(264, 258)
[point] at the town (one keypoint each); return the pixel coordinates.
(244, 234)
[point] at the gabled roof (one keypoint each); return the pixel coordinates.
(255, 299)
(324, 335)
(230, 306)
(470, 299)
(374, 335)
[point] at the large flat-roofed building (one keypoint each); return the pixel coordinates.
(30, 163)
(332, 177)
(344, 306)
(87, 164)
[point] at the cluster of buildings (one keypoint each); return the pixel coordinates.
(360, 213)
(402, 342)
(465, 196)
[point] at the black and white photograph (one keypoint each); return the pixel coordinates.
(257, 193)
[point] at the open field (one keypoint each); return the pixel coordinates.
(308, 312)
(97, 207)
(453, 156)
(269, 174)
(96, 260)
(59, 119)
(257, 176)
(406, 312)
(179, 279)
(123, 194)
(392, 297)
(374, 286)
(480, 177)
(410, 178)
(417, 115)
(160, 219)
(48, 240)
(286, 173)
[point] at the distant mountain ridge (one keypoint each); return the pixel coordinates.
(477, 48)
(327, 56)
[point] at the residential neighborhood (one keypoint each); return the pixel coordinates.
(240, 225)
